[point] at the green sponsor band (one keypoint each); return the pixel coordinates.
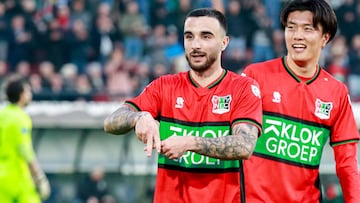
(292, 141)
(192, 159)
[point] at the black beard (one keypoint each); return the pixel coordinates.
(201, 68)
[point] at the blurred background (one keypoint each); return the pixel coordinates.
(84, 57)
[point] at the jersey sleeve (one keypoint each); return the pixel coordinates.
(347, 171)
(248, 107)
(22, 131)
(344, 129)
(149, 100)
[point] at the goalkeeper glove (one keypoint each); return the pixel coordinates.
(43, 186)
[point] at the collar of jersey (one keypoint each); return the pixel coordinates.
(310, 80)
(211, 85)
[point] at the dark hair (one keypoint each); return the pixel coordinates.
(209, 12)
(13, 90)
(322, 12)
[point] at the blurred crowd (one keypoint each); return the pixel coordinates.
(109, 50)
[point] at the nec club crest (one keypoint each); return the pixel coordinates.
(221, 104)
(323, 109)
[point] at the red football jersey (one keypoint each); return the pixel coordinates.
(299, 117)
(186, 109)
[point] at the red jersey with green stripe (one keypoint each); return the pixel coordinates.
(186, 109)
(299, 116)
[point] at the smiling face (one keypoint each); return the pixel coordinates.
(304, 41)
(204, 40)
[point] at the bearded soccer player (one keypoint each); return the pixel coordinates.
(303, 107)
(21, 178)
(201, 122)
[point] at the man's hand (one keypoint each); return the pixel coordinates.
(147, 131)
(43, 186)
(175, 146)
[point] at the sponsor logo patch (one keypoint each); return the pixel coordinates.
(323, 109)
(221, 104)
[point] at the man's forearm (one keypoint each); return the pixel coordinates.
(240, 145)
(121, 121)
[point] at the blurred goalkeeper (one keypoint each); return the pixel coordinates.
(21, 178)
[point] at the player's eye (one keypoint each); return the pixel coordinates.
(309, 28)
(207, 36)
(188, 36)
(290, 27)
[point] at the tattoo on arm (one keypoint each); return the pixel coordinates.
(239, 145)
(122, 120)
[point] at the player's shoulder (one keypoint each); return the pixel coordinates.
(240, 79)
(333, 83)
(265, 65)
(174, 77)
(259, 71)
(14, 114)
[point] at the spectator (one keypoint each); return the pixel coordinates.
(261, 43)
(238, 36)
(83, 89)
(19, 42)
(143, 76)
(104, 36)
(94, 188)
(62, 15)
(354, 68)
(346, 15)
(46, 71)
(56, 45)
(155, 43)
(35, 83)
(95, 73)
(158, 70)
(278, 43)
(133, 25)
(23, 69)
(79, 45)
(57, 87)
(3, 31)
(159, 13)
(273, 10)
(174, 51)
(69, 73)
(3, 72)
(78, 11)
(177, 17)
(338, 59)
(119, 81)
(39, 92)
(234, 61)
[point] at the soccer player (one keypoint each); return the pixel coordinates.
(202, 121)
(21, 178)
(303, 107)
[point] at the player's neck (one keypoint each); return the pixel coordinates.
(304, 70)
(207, 77)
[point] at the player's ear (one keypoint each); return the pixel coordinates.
(325, 39)
(225, 43)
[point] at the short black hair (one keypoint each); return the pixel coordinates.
(322, 12)
(14, 88)
(209, 12)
